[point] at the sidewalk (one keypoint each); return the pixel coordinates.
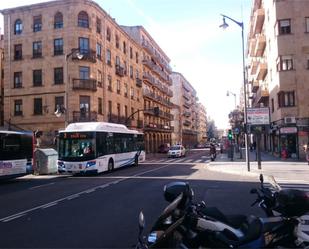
(290, 169)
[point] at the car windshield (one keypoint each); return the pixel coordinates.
(175, 148)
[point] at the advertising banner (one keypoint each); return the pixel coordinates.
(258, 116)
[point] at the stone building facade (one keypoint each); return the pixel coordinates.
(157, 91)
(278, 53)
(201, 124)
(72, 58)
(1, 79)
(185, 98)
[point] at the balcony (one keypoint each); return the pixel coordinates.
(120, 71)
(85, 84)
(255, 86)
(80, 116)
(162, 114)
(259, 17)
(151, 95)
(187, 114)
(251, 46)
(170, 93)
(88, 55)
(112, 118)
(189, 132)
(261, 70)
(158, 127)
(139, 82)
(260, 45)
(187, 123)
(254, 66)
(156, 69)
(186, 96)
(186, 104)
(262, 95)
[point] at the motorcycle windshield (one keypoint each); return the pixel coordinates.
(273, 183)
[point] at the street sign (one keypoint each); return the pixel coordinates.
(258, 116)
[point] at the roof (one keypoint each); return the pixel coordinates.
(98, 126)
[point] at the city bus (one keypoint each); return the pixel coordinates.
(16, 154)
(95, 147)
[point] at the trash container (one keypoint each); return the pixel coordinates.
(46, 161)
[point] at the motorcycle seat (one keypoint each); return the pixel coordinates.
(234, 221)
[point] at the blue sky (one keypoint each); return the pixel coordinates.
(188, 31)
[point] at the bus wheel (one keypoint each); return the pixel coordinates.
(110, 166)
(136, 161)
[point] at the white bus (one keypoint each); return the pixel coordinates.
(16, 154)
(95, 147)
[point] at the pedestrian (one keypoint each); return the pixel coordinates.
(306, 149)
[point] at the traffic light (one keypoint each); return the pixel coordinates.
(156, 111)
(230, 135)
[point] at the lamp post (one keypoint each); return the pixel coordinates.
(65, 110)
(224, 25)
(234, 94)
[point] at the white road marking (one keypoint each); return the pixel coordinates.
(71, 197)
(43, 185)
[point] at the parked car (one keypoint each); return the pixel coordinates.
(164, 148)
(177, 151)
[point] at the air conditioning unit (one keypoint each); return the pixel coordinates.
(290, 120)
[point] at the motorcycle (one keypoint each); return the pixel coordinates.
(185, 224)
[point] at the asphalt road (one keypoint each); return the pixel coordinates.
(102, 211)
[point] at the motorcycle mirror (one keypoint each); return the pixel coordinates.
(261, 178)
(141, 220)
(253, 191)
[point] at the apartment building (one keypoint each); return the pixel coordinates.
(157, 91)
(278, 53)
(185, 98)
(72, 59)
(1, 78)
(201, 124)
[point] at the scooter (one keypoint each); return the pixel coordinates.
(184, 224)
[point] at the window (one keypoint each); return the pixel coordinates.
(98, 24)
(125, 89)
(37, 77)
(118, 86)
(37, 49)
(124, 47)
(59, 103)
(126, 111)
(83, 45)
(284, 26)
(83, 20)
(18, 82)
(132, 111)
(99, 51)
(100, 106)
(272, 105)
(109, 82)
(108, 57)
(307, 24)
(18, 52)
(58, 75)
(131, 72)
(110, 109)
(37, 106)
(99, 78)
(136, 74)
(286, 99)
(285, 63)
(136, 57)
(117, 61)
(132, 93)
(18, 107)
(37, 23)
(118, 111)
(131, 53)
(58, 21)
(117, 41)
(108, 34)
(84, 73)
(58, 46)
(18, 27)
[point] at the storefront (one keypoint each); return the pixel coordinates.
(288, 142)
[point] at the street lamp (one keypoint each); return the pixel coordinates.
(234, 94)
(60, 110)
(224, 25)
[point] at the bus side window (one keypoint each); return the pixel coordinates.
(100, 144)
(110, 145)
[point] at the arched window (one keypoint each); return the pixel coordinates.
(18, 28)
(83, 20)
(58, 21)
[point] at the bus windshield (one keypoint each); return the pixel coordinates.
(77, 146)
